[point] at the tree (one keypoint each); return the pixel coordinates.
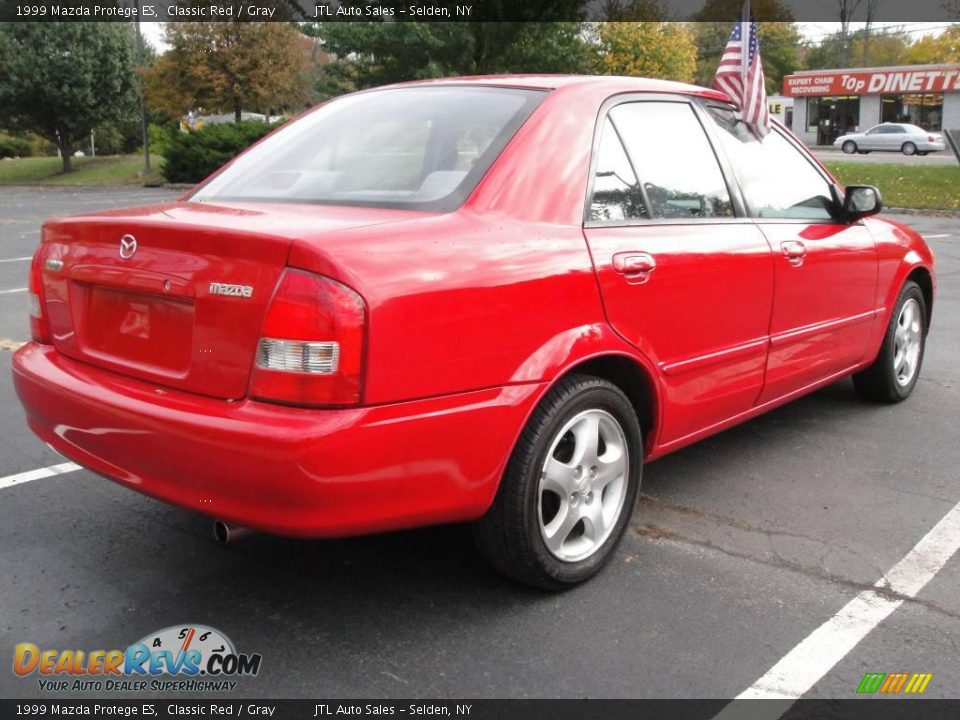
(860, 49)
(62, 79)
(778, 50)
(633, 11)
(728, 11)
(647, 49)
(228, 66)
(375, 53)
(930, 49)
(778, 35)
(534, 36)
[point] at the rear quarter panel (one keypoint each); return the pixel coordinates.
(501, 291)
(462, 302)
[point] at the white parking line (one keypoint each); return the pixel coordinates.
(15, 290)
(815, 656)
(24, 259)
(941, 235)
(39, 474)
(8, 344)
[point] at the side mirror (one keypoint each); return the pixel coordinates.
(861, 201)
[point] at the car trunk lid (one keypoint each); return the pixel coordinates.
(175, 294)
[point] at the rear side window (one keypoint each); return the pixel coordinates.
(422, 148)
(673, 170)
(777, 180)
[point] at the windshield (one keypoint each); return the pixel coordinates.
(422, 148)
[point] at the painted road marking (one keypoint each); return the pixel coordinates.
(819, 652)
(24, 259)
(25, 477)
(941, 235)
(15, 290)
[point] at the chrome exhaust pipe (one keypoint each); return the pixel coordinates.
(224, 532)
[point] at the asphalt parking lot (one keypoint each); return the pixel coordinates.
(742, 546)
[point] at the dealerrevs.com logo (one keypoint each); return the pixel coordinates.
(180, 658)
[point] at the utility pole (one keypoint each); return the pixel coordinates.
(143, 107)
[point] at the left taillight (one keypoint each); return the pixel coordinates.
(311, 349)
(39, 327)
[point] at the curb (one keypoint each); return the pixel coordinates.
(935, 212)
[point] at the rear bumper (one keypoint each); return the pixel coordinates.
(291, 471)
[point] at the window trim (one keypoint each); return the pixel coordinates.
(729, 180)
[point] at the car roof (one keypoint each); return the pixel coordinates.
(614, 83)
(893, 124)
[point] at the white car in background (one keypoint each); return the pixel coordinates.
(893, 137)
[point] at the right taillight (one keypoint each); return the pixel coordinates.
(310, 352)
(39, 328)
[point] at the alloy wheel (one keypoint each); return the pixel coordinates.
(583, 484)
(907, 342)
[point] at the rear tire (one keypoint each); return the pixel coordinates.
(570, 487)
(909, 149)
(893, 375)
(849, 147)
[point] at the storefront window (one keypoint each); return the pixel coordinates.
(831, 117)
(923, 109)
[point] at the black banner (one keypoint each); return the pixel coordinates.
(913, 11)
(853, 709)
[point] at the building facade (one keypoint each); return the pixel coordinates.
(829, 103)
(781, 109)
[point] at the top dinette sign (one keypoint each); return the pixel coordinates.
(944, 78)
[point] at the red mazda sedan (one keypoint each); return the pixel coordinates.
(482, 299)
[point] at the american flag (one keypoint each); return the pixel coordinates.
(740, 75)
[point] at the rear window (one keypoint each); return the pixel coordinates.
(422, 148)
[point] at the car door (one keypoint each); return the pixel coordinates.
(825, 269)
(872, 139)
(896, 136)
(682, 278)
(886, 137)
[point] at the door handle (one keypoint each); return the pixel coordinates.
(794, 251)
(637, 266)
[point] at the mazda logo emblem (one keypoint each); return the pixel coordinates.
(128, 246)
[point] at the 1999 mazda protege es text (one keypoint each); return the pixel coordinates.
(482, 299)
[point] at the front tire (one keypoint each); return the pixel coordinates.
(569, 489)
(893, 375)
(849, 147)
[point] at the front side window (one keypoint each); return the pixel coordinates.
(777, 180)
(422, 148)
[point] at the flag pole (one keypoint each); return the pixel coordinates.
(745, 35)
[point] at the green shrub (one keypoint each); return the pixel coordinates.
(14, 147)
(160, 136)
(191, 156)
